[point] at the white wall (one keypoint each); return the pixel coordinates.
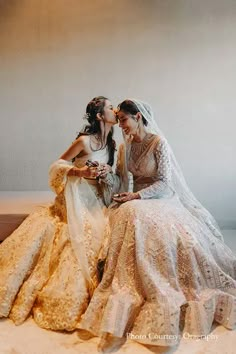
(179, 55)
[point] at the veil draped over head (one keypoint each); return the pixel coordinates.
(178, 182)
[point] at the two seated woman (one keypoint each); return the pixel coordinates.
(167, 266)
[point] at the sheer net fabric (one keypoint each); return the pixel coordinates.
(177, 180)
(165, 271)
(41, 271)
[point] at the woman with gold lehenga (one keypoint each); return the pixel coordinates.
(167, 267)
(48, 265)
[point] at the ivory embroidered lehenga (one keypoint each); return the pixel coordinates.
(48, 265)
(165, 268)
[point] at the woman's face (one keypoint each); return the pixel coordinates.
(127, 123)
(109, 114)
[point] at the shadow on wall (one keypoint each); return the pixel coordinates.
(43, 26)
(177, 55)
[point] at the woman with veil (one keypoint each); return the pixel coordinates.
(48, 266)
(167, 266)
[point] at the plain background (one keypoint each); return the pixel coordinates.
(178, 55)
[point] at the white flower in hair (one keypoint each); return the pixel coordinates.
(86, 116)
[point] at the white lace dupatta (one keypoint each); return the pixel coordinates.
(84, 215)
(179, 184)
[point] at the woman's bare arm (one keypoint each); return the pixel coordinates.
(75, 149)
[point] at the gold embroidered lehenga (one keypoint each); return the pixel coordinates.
(43, 264)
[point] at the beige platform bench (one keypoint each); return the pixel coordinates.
(16, 206)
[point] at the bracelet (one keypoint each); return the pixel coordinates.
(77, 172)
(70, 173)
(73, 172)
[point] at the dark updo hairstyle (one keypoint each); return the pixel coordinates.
(95, 106)
(129, 107)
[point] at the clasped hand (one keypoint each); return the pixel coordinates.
(125, 197)
(91, 171)
(103, 170)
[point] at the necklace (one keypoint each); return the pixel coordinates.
(99, 140)
(137, 148)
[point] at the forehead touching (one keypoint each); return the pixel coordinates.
(123, 115)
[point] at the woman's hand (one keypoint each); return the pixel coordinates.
(87, 172)
(125, 197)
(103, 170)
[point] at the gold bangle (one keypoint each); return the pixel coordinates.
(71, 172)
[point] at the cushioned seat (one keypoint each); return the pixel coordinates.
(16, 206)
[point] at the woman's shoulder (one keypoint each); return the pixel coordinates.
(158, 138)
(83, 139)
(155, 138)
(159, 142)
